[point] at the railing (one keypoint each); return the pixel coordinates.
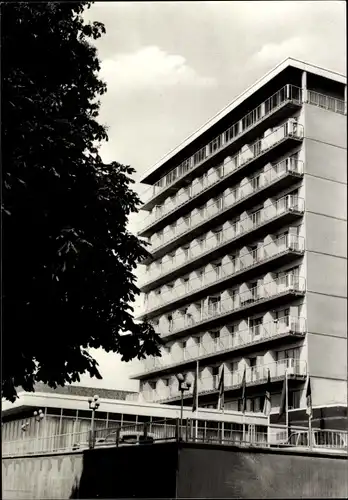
(193, 430)
(233, 380)
(326, 102)
(263, 253)
(230, 301)
(51, 444)
(268, 107)
(204, 245)
(228, 341)
(290, 129)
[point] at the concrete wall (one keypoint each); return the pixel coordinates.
(168, 471)
(326, 253)
(37, 477)
(225, 473)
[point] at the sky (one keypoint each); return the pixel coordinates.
(170, 66)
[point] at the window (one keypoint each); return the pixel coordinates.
(171, 177)
(215, 335)
(160, 235)
(231, 132)
(186, 284)
(233, 262)
(170, 322)
(173, 227)
(187, 220)
(201, 211)
(200, 275)
(254, 253)
(215, 145)
(214, 305)
(184, 344)
(171, 257)
(288, 354)
(255, 326)
(283, 317)
(233, 295)
(201, 242)
(186, 250)
(199, 156)
(256, 217)
(220, 171)
(256, 148)
(218, 235)
(158, 210)
(198, 340)
(166, 382)
(253, 288)
(255, 182)
(219, 202)
(217, 266)
(184, 167)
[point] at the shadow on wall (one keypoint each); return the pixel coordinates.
(146, 471)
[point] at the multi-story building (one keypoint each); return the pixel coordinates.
(247, 225)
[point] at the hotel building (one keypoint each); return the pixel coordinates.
(247, 225)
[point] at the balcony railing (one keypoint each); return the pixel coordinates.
(231, 341)
(212, 210)
(254, 375)
(290, 129)
(205, 310)
(281, 245)
(326, 102)
(288, 93)
(204, 245)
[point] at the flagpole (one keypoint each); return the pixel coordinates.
(286, 404)
(310, 432)
(196, 414)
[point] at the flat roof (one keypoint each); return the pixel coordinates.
(74, 402)
(289, 62)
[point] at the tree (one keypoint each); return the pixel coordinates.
(68, 259)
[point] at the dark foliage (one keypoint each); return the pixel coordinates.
(68, 259)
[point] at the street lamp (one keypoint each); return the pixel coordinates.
(93, 405)
(183, 386)
(39, 416)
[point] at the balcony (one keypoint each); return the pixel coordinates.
(295, 369)
(261, 152)
(278, 252)
(217, 212)
(326, 102)
(243, 341)
(211, 314)
(253, 226)
(266, 115)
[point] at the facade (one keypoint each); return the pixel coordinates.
(247, 265)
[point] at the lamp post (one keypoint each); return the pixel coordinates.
(39, 416)
(183, 386)
(93, 405)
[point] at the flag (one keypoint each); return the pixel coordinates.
(221, 387)
(309, 409)
(244, 391)
(195, 391)
(282, 407)
(267, 404)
